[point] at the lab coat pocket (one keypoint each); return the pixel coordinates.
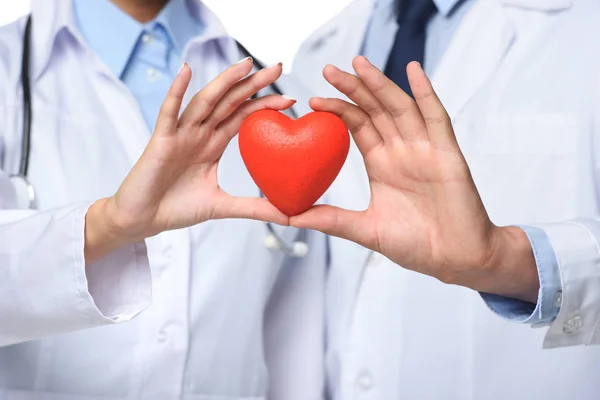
(528, 161)
(545, 134)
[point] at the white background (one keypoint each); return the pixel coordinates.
(271, 29)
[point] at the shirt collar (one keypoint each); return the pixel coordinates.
(114, 46)
(444, 7)
(179, 23)
(53, 18)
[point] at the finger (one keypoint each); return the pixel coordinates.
(400, 105)
(335, 221)
(434, 114)
(205, 100)
(355, 89)
(248, 207)
(168, 116)
(358, 122)
(226, 130)
(241, 92)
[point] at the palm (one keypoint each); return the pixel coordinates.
(194, 187)
(422, 189)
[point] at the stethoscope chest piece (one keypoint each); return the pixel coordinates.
(24, 193)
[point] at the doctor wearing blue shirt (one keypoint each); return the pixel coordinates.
(138, 209)
(519, 80)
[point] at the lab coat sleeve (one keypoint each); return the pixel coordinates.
(576, 245)
(46, 287)
(578, 253)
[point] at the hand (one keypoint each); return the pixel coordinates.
(425, 212)
(174, 183)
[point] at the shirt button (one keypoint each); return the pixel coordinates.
(558, 300)
(147, 38)
(364, 381)
(573, 324)
(153, 75)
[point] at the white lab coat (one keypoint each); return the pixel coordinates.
(229, 319)
(520, 81)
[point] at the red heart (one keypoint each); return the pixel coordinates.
(293, 162)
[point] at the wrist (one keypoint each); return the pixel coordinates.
(511, 270)
(103, 233)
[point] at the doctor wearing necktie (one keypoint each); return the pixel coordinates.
(521, 88)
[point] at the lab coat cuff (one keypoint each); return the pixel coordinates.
(549, 295)
(44, 286)
(115, 288)
(578, 254)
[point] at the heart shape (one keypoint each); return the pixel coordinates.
(293, 162)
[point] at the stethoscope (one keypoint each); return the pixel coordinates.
(26, 196)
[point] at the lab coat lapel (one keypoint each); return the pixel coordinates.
(478, 46)
(336, 42)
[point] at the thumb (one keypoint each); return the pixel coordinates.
(226, 206)
(335, 221)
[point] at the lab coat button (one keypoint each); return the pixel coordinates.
(558, 300)
(364, 381)
(573, 324)
(162, 336)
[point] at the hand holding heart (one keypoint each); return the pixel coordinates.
(425, 212)
(174, 183)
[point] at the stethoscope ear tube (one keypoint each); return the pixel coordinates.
(27, 114)
(24, 191)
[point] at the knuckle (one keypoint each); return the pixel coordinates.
(358, 126)
(435, 120)
(426, 95)
(375, 110)
(205, 102)
(350, 86)
(397, 112)
(379, 84)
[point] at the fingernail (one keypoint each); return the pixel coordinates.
(279, 64)
(181, 68)
(244, 60)
(288, 98)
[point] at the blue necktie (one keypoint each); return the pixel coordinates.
(409, 45)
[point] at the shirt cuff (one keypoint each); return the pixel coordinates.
(550, 293)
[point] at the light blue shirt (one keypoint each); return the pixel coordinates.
(146, 57)
(440, 31)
